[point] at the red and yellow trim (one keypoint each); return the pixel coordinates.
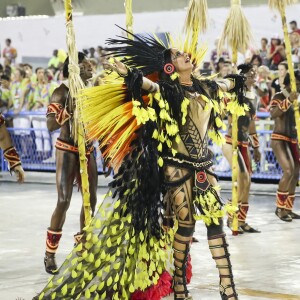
(228, 140)
(12, 157)
(61, 114)
(280, 137)
(52, 241)
(281, 199)
(242, 213)
(61, 145)
(290, 202)
(283, 105)
(253, 138)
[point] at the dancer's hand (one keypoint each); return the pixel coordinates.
(20, 175)
(256, 155)
(117, 66)
(293, 96)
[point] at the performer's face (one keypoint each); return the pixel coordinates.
(250, 77)
(282, 71)
(181, 60)
(86, 70)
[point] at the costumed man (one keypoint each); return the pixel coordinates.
(246, 135)
(9, 151)
(60, 116)
(155, 133)
(285, 147)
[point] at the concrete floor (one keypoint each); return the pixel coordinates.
(266, 265)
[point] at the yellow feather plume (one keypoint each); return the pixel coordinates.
(280, 4)
(237, 32)
(196, 19)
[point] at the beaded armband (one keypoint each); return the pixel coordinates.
(61, 114)
(12, 157)
(253, 138)
(2, 120)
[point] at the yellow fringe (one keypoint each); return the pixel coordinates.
(196, 20)
(129, 17)
(279, 4)
(237, 31)
(76, 84)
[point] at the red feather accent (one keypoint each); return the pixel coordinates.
(155, 292)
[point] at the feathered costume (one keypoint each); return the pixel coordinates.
(156, 144)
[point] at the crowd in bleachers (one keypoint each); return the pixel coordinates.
(25, 93)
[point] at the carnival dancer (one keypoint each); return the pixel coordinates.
(59, 116)
(156, 137)
(285, 147)
(9, 152)
(246, 135)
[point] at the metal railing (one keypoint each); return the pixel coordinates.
(25, 141)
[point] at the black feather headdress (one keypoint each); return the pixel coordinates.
(143, 52)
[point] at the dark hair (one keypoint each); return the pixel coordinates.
(293, 22)
(81, 57)
(22, 72)
(245, 68)
(287, 78)
(256, 56)
(27, 65)
(5, 77)
(37, 69)
(8, 40)
(283, 63)
(265, 39)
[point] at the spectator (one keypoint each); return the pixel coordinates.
(263, 88)
(263, 51)
(277, 83)
(29, 74)
(214, 56)
(41, 97)
(93, 53)
(219, 65)
(295, 44)
(9, 51)
(294, 27)
(225, 69)
(4, 94)
(20, 90)
(276, 53)
(8, 69)
(54, 61)
(256, 61)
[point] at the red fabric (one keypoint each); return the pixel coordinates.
(189, 270)
(155, 292)
(244, 151)
(163, 287)
(295, 151)
(277, 57)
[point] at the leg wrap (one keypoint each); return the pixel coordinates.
(52, 241)
(219, 250)
(243, 210)
(181, 254)
(281, 199)
(290, 202)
